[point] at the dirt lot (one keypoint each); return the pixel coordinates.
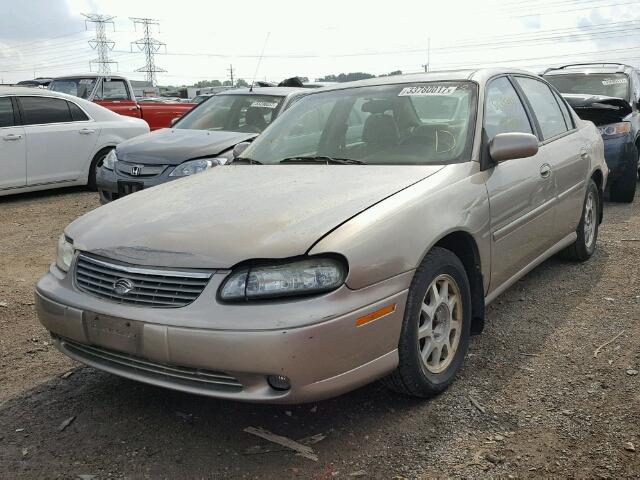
(545, 405)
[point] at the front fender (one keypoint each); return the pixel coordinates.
(393, 237)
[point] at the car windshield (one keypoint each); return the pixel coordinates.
(609, 84)
(78, 87)
(410, 124)
(234, 113)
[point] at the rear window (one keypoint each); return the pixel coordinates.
(42, 110)
(78, 87)
(607, 84)
(6, 112)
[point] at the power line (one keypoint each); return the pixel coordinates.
(150, 46)
(101, 43)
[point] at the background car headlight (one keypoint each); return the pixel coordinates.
(300, 277)
(65, 254)
(110, 160)
(613, 129)
(196, 166)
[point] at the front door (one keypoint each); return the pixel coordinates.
(521, 191)
(114, 94)
(13, 159)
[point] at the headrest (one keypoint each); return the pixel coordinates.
(377, 106)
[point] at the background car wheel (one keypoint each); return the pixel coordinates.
(436, 326)
(624, 189)
(587, 230)
(95, 164)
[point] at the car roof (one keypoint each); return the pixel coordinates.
(606, 68)
(480, 75)
(275, 91)
(89, 75)
(32, 91)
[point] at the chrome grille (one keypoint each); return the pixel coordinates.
(150, 287)
(148, 368)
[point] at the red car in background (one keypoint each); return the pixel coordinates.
(116, 93)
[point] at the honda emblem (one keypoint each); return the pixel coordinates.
(135, 170)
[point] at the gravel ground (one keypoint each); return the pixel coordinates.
(545, 406)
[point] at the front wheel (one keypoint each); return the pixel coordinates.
(587, 231)
(436, 326)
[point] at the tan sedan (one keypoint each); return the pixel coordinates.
(360, 237)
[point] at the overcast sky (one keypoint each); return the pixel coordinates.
(48, 37)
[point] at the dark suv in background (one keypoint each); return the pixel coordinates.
(607, 94)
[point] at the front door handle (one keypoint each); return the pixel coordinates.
(86, 131)
(11, 136)
(545, 170)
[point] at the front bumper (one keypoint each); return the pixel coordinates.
(188, 349)
(619, 154)
(113, 185)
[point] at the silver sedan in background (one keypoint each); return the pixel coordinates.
(359, 237)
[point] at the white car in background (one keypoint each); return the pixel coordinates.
(50, 140)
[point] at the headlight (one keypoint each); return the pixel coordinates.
(65, 254)
(614, 129)
(196, 166)
(110, 160)
(301, 277)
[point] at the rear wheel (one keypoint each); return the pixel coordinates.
(587, 231)
(436, 326)
(96, 163)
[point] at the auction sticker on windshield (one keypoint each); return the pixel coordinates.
(614, 81)
(264, 104)
(426, 90)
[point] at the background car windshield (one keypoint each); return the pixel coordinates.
(78, 87)
(234, 113)
(610, 84)
(419, 123)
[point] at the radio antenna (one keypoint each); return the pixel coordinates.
(259, 61)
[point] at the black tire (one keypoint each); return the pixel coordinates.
(412, 377)
(95, 164)
(624, 188)
(581, 250)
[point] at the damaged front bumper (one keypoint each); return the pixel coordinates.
(214, 349)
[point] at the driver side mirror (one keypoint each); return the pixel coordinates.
(173, 121)
(509, 146)
(239, 148)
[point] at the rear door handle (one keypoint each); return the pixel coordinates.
(584, 153)
(12, 136)
(86, 131)
(545, 170)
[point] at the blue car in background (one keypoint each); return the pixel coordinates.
(609, 96)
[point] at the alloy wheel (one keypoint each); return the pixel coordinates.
(440, 325)
(589, 220)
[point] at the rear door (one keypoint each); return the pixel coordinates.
(13, 155)
(59, 148)
(563, 148)
(521, 195)
(114, 94)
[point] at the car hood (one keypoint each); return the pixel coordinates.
(172, 146)
(238, 212)
(599, 109)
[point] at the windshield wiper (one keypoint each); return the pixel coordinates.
(322, 159)
(248, 161)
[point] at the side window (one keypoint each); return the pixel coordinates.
(41, 110)
(504, 112)
(76, 113)
(6, 112)
(112, 90)
(635, 81)
(565, 111)
(544, 106)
